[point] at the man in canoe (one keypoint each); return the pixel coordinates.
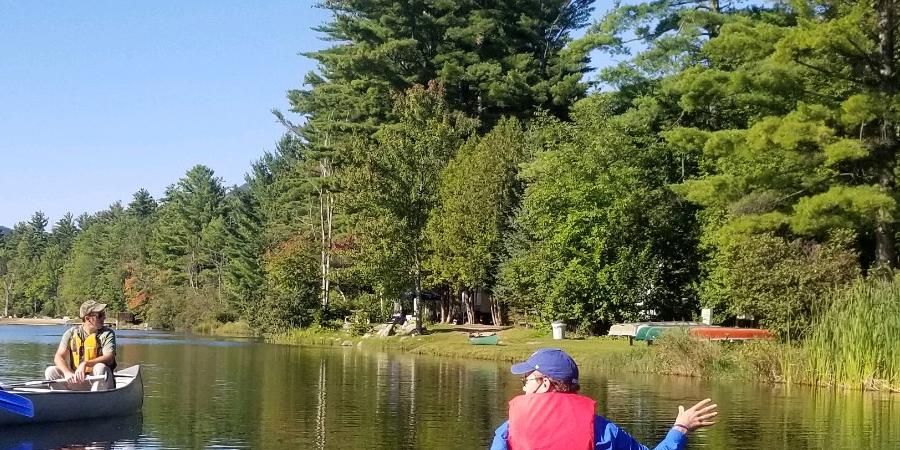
(553, 416)
(86, 349)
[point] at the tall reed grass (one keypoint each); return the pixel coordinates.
(856, 342)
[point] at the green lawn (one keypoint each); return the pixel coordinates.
(516, 344)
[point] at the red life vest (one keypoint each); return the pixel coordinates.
(551, 421)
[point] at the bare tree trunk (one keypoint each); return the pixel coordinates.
(191, 270)
(7, 286)
(455, 307)
(884, 239)
(445, 306)
(417, 300)
(468, 300)
(496, 311)
(463, 300)
(326, 213)
(326, 217)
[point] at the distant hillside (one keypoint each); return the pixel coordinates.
(4, 230)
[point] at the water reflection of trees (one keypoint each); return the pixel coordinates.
(267, 396)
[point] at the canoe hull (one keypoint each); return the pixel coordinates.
(630, 329)
(58, 406)
(484, 340)
(730, 334)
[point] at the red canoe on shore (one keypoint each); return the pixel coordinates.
(729, 333)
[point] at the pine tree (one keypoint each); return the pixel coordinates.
(495, 58)
(143, 205)
(825, 157)
(190, 207)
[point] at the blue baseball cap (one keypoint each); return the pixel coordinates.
(552, 362)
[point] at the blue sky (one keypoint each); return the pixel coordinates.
(99, 99)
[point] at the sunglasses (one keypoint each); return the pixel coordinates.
(526, 379)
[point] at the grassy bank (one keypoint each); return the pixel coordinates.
(764, 361)
(856, 341)
(215, 328)
(516, 344)
(673, 354)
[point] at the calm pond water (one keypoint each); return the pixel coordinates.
(218, 393)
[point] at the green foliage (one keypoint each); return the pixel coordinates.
(96, 267)
(394, 186)
(375, 308)
(292, 290)
(495, 58)
(479, 191)
(674, 33)
(358, 323)
(243, 273)
(180, 307)
(844, 150)
(188, 236)
(816, 155)
(143, 205)
(678, 353)
(600, 237)
(851, 207)
(782, 283)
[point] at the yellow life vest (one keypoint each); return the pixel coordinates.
(84, 349)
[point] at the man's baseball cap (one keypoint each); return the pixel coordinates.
(90, 306)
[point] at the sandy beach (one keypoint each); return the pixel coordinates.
(35, 321)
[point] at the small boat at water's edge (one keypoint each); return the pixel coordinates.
(60, 405)
(483, 339)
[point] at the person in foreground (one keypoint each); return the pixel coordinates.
(552, 415)
(86, 349)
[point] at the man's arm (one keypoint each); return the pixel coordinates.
(61, 358)
(608, 436)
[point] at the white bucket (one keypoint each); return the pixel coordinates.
(559, 329)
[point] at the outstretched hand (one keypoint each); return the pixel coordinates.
(697, 416)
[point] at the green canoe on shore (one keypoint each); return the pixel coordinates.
(483, 339)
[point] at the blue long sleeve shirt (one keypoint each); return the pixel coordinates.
(607, 436)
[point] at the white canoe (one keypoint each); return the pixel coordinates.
(623, 329)
(630, 329)
(59, 405)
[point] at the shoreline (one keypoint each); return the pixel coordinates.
(64, 321)
(747, 362)
(36, 321)
(758, 361)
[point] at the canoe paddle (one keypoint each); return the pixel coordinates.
(16, 404)
(43, 382)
